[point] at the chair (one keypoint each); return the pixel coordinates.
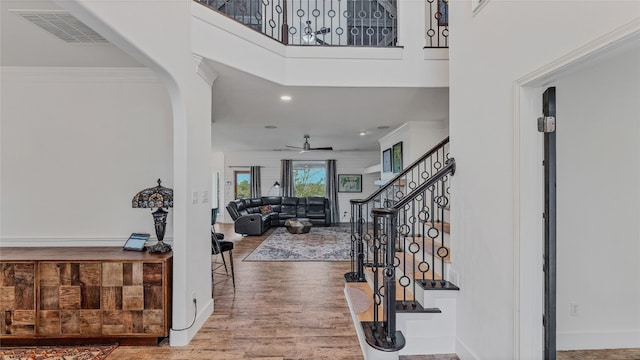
(219, 247)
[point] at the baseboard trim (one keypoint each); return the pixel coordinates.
(593, 340)
(463, 352)
(182, 338)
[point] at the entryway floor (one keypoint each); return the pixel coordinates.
(288, 310)
(606, 354)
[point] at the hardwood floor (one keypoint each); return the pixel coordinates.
(607, 354)
(280, 310)
(286, 310)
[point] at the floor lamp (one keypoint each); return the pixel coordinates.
(276, 185)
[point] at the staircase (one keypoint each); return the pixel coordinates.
(399, 293)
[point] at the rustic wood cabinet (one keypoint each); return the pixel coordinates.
(84, 293)
(18, 298)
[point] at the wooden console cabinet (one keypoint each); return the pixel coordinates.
(84, 293)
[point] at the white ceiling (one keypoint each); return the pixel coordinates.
(244, 104)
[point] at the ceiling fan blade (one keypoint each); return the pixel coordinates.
(320, 41)
(322, 148)
(293, 147)
(323, 30)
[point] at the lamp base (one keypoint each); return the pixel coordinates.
(160, 247)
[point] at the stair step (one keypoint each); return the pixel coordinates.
(399, 294)
(410, 259)
(429, 244)
(361, 297)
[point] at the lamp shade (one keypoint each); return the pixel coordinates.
(154, 197)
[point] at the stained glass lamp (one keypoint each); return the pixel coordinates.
(158, 197)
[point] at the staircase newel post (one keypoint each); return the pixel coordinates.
(360, 245)
(357, 246)
(390, 217)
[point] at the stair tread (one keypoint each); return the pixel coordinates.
(364, 287)
(399, 294)
(418, 274)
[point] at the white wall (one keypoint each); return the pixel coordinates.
(347, 162)
(505, 41)
(598, 137)
(162, 43)
(77, 145)
(417, 138)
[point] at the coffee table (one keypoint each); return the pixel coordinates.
(298, 225)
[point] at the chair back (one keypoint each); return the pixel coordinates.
(215, 242)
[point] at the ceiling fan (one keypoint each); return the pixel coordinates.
(311, 36)
(307, 147)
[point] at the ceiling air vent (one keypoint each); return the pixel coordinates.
(62, 25)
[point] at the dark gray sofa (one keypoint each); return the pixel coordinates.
(252, 217)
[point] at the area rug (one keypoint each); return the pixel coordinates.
(320, 244)
(89, 352)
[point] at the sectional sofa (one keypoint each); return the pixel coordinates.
(256, 215)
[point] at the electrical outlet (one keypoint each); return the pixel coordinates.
(193, 296)
(344, 215)
(194, 197)
(573, 309)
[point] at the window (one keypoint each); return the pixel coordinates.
(243, 184)
(309, 178)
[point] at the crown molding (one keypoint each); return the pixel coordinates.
(205, 70)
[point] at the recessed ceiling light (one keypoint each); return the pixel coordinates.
(285, 98)
(270, 127)
(383, 127)
(363, 133)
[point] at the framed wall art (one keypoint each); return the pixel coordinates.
(386, 160)
(396, 157)
(349, 183)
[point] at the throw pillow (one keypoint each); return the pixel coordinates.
(266, 209)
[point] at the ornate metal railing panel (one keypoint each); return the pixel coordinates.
(317, 22)
(393, 191)
(423, 246)
(437, 23)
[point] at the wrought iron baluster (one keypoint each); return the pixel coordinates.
(423, 269)
(419, 172)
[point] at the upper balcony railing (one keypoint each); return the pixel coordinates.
(333, 22)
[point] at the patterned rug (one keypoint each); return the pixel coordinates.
(320, 244)
(90, 352)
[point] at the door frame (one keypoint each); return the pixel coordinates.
(529, 187)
